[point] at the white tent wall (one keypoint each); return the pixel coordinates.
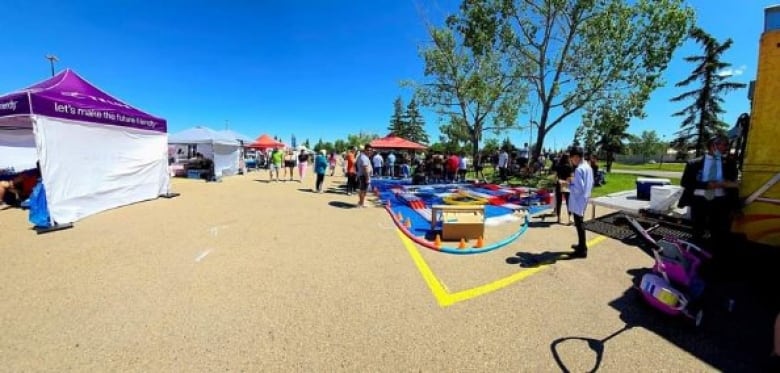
(226, 159)
(98, 167)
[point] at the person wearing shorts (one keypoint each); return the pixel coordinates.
(289, 164)
(363, 167)
(275, 165)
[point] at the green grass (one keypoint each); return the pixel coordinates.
(646, 166)
(621, 182)
(615, 182)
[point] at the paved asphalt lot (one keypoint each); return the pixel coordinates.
(247, 275)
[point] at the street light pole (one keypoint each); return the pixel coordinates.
(52, 59)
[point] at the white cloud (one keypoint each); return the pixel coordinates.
(733, 72)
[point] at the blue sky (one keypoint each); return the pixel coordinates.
(316, 69)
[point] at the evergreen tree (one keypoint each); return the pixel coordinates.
(702, 116)
(507, 145)
(415, 124)
(398, 125)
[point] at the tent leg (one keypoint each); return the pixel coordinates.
(53, 228)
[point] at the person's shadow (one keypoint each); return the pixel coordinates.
(531, 260)
(342, 205)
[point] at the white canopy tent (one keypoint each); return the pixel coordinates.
(220, 147)
(95, 151)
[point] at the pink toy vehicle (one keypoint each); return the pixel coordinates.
(676, 267)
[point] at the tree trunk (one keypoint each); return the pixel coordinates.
(474, 149)
(539, 144)
(610, 159)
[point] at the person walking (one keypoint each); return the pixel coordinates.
(303, 163)
(275, 165)
(320, 166)
(289, 164)
(332, 160)
(580, 187)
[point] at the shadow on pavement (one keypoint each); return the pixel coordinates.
(531, 260)
(342, 205)
(736, 330)
(540, 224)
(595, 345)
(740, 300)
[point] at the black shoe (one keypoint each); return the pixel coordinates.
(575, 247)
(579, 254)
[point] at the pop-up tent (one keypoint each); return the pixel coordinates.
(243, 139)
(95, 151)
(392, 141)
(222, 148)
(266, 142)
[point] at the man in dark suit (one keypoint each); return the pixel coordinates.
(710, 189)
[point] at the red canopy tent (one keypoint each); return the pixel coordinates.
(265, 142)
(392, 141)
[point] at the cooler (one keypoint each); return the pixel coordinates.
(644, 185)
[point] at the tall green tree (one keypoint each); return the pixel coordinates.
(398, 125)
(583, 52)
(610, 124)
(454, 134)
(360, 139)
(469, 77)
(415, 124)
(647, 144)
(508, 146)
(702, 116)
(490, 146)
(340, 146)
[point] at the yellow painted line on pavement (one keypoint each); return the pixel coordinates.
(436, 287)
(445, 298)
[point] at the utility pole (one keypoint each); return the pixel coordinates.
(52, 59)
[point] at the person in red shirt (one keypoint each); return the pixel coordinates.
(453, 161)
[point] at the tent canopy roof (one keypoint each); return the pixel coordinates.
(69, 96)
(391, 141)
(202, 135)
(238, 136)
(265, 141)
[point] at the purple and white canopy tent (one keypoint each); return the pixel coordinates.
(95, 151)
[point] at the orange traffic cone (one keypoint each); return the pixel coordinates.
(462, 244)
(480, 242)
(408, 223)
(437, 242)
(399, 216)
